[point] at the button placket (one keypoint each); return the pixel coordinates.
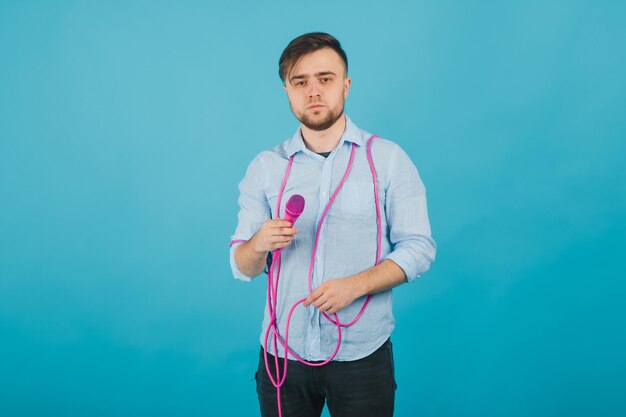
(325, 184)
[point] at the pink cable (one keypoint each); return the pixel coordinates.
(274, 273)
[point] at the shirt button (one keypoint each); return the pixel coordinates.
(323, 193)
(313, 322)
(317, 258)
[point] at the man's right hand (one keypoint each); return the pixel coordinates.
(251, 256)
(273, 234)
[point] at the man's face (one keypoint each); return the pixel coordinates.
(317, 87)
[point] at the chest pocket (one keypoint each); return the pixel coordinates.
(355, 200)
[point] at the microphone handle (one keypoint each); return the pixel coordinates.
(291, 218)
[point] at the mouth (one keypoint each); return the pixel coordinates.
(315, 107)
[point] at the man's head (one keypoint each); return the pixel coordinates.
(314, 69)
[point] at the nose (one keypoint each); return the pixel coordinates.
(314, 89)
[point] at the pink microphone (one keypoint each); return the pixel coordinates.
(294, 208)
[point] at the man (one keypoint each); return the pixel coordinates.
(340, 226)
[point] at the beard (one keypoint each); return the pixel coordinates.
(323, 122)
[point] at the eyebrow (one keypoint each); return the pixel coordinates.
(304, 77)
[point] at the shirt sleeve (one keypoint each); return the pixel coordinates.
(253, 211)
(407, 217)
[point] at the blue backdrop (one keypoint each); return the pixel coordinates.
(125, 127)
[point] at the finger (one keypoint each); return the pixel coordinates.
(308, 301)
(287, 231)
(281, 245)
(312, 297)
(321, 301)
(325, 306)
(280, 223)
(282, 232)
(335, 306)
(280, 239)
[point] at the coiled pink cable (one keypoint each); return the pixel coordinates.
(274, 273)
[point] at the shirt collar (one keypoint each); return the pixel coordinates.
(351, 134)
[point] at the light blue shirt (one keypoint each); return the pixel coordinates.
(347, 243)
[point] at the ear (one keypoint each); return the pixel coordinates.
(346, 87)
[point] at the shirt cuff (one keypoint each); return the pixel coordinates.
(233, 265)
(413, 263)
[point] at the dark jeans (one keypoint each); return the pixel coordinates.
(363, 388)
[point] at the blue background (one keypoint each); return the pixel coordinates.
(125, 128)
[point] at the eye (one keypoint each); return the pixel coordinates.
(326, 80)
(300, 83)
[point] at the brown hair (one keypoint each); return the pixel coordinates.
(305, 44)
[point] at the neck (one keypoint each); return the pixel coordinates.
(324, 140)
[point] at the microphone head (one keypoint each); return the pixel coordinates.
(294, 207)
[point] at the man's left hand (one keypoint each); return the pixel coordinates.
(334, 294)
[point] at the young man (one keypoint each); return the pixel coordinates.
(328, 257)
